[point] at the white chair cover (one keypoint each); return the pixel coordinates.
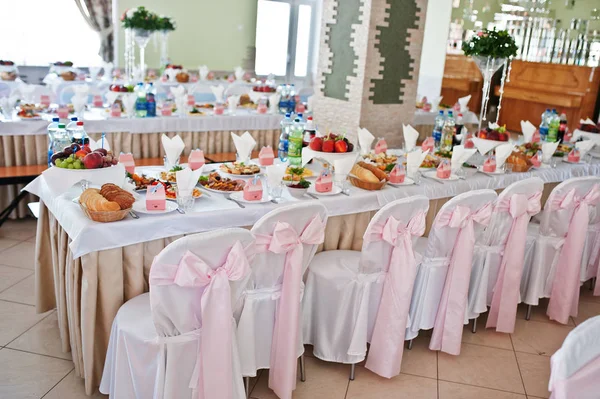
(575, 367)
(441, 245)
(266, 289)
(549, 236)
(156, 338)
(491, 246)
(344, 289)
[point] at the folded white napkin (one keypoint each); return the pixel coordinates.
(464, 102)
(503, 151)
(94, 145)
(435, 103)
(203, 72)
(173, 148)
(129, 100)
(410, 137)
(108, 69)
(275, 174)
(587, 121)
(178, 91)
(365, 140)
(26, 91)
(8, 103)
(414, 160)
(81, 89)
(181, 104)
(343, 166)
(94, 71)
(218, 92)
(59, 181)
(528, 130)
(79, 101)
(111, 97)
(233, 101)
(548, 150)
(187, 179)
(584, 146)
(309, 103)
(460, 155)
(255, 96)
(274, 103)
(239, 73)
(493, 125)
(485, 146)
(244, 145)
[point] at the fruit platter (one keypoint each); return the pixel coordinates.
(121, 88)
(82, 157)
(331, 143)
(8, 71)
(264, 89)
(497, 134)
(240, 168)
(216, 182)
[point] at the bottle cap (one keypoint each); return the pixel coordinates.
(74, 119)
(309, 118)
(55, 119)
(61, 125)
(80, 123)
(287, 115)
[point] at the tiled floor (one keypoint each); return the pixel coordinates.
(490, 366)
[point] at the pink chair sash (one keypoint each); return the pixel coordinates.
(448, 325)
(503, 311)
(387, 343)
(213, 373)
(282, 373)
(564, 297)
(594, 261)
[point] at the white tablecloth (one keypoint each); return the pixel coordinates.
(216, 212)
(428, 118)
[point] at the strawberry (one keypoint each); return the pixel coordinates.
(328, 145)
(316, 144)
(341, 146)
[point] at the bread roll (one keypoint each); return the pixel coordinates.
(379, 174)
(364, 174)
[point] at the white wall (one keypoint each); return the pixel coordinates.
(433, 55)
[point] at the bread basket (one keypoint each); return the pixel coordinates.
(365, 185)
(105, 216)
(182, 77)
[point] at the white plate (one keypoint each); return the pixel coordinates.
(140, 207)
(498, 171)
(566, 160)
(334, 191)
(433, 175)
(239, 196)
(407, 182)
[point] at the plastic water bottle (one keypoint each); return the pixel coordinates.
(79, 135)
(544, 125)
(286, 124)
(437, 129)
(71, 126)
(295, 143)
(553, 126)
(448, 132)
(310, 131)
(61, 139)
(151, 101)
(51, 130)
(140, 104)
(458, 127)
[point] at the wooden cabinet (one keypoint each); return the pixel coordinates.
(461, 78)
(535, 86)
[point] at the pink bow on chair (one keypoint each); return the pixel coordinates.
(282, 373)
(448, 326)
(387, 343)
(503, 311)
(213, 372)
(564, 297)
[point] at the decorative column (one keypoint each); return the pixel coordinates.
(368, 66)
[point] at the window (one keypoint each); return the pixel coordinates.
(285, 38)
(54, 31)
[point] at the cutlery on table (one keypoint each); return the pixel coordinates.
(312, 196)
(180, 211)
(228, 197)
(134, 215)
(431, 178)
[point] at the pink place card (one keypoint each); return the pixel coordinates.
(191, 100)
(262, 108)
(300, 108)
(194, 78)
(63, 112)
(156, 198)
(219, 109)
(166, 110)
(196, 159)
(115, 111)
(381, 146)
(266, 156)
(253, 190)
(97, 101)
(45, 100)
(127, 161)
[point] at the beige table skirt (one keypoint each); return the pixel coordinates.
(33, 150)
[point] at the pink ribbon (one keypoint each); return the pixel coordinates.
(448, 326)
(214, 366)
(282, 373)
(387, 343)
(503, 311)
(564, 297)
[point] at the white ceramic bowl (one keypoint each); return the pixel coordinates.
(297, 192)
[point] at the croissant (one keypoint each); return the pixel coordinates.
(94, 201)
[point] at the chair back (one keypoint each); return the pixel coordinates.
(177, 310)
(441, 239)
(500, 224)
(268, 267)
(575, 367)
(555, 221)
(376, 255)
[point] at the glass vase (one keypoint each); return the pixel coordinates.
(488, 67)
(129, 54)
(142, 37)
(164, 48)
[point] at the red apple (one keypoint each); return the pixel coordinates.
(328, 145)
(316, 144)
(341, 146)
(102, 151)
(93, 160)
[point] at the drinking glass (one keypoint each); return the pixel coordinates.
(588, 158)
(185, 199)
(553, 162)
(276, 191)
(342, 182)
(416, 177)
(508, 168)
(168, 165)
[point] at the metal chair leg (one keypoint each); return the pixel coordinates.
(247, 384)
(409, 345)
(352, 371)
(528, 314)
(302, 369)
(474, 328)
(593, 284)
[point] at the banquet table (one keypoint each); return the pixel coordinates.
(87, 270)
